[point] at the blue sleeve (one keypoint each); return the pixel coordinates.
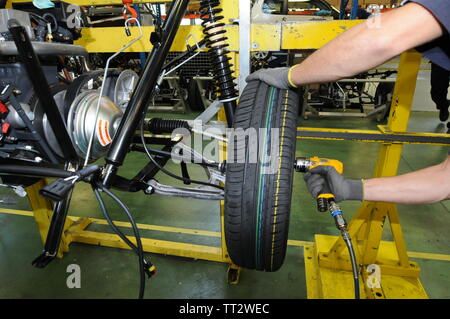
(437, 51)
(439, 8)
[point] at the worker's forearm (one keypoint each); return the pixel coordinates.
(368, 45)
(355, 55)
(428, 185)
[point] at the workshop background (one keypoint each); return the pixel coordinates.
(112, 272)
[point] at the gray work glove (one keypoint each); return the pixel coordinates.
(341, 187)
(276, 77)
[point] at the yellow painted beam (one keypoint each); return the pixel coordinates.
(264, 37)
(113, 39)
(313, 35)
(230, 10)
(178, 230)
(291, 242)
(313, 282)
(387, 258)
(230, 7)
(383, 131)
(163, 247)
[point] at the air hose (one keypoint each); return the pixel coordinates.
(341, 224)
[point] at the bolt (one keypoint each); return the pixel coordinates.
(149, 190)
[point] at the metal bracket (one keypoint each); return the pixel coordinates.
(199, 192)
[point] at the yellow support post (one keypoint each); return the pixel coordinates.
(329, 263)
(43, 212)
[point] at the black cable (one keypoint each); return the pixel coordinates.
(34, 15)
(351, 252)
(139, 247)
(185, 180)
(108, 218)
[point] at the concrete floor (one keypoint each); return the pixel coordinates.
(113, 273)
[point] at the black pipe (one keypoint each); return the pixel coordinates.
(143, 92)
(34, 171)
(46, 48)
(54, 234)
(40, 141)
(42, 89)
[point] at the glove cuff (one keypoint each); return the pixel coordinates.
(355, 189)
(290, 77)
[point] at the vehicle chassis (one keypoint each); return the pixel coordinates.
(122, 143)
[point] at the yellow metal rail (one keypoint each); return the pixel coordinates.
(205, 233)
(264, 37)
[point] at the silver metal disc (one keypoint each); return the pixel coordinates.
(81, 123)
(125, 84)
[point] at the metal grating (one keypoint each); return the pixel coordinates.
(198, 66)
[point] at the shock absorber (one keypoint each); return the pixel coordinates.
(216, 41)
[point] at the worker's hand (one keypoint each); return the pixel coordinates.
(338, 185)
(276, 77)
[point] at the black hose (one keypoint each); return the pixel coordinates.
(34, 171)
(110, 221)
(139, 247)
(185, 180)
(355, 271)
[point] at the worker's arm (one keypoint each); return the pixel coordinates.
(428, 185)
(359, 49)
(368, 45)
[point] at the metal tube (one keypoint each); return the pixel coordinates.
(34, 171)
(39, 140)
(45, 48)
(54, 234)
(143, 92)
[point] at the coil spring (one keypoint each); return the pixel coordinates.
(216, 42)
(158, 125)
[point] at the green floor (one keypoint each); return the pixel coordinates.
(113, 273)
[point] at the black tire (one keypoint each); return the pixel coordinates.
(257, 203)
(194, 97)
(384, 89)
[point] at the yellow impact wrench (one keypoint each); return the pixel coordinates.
(303, 165)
